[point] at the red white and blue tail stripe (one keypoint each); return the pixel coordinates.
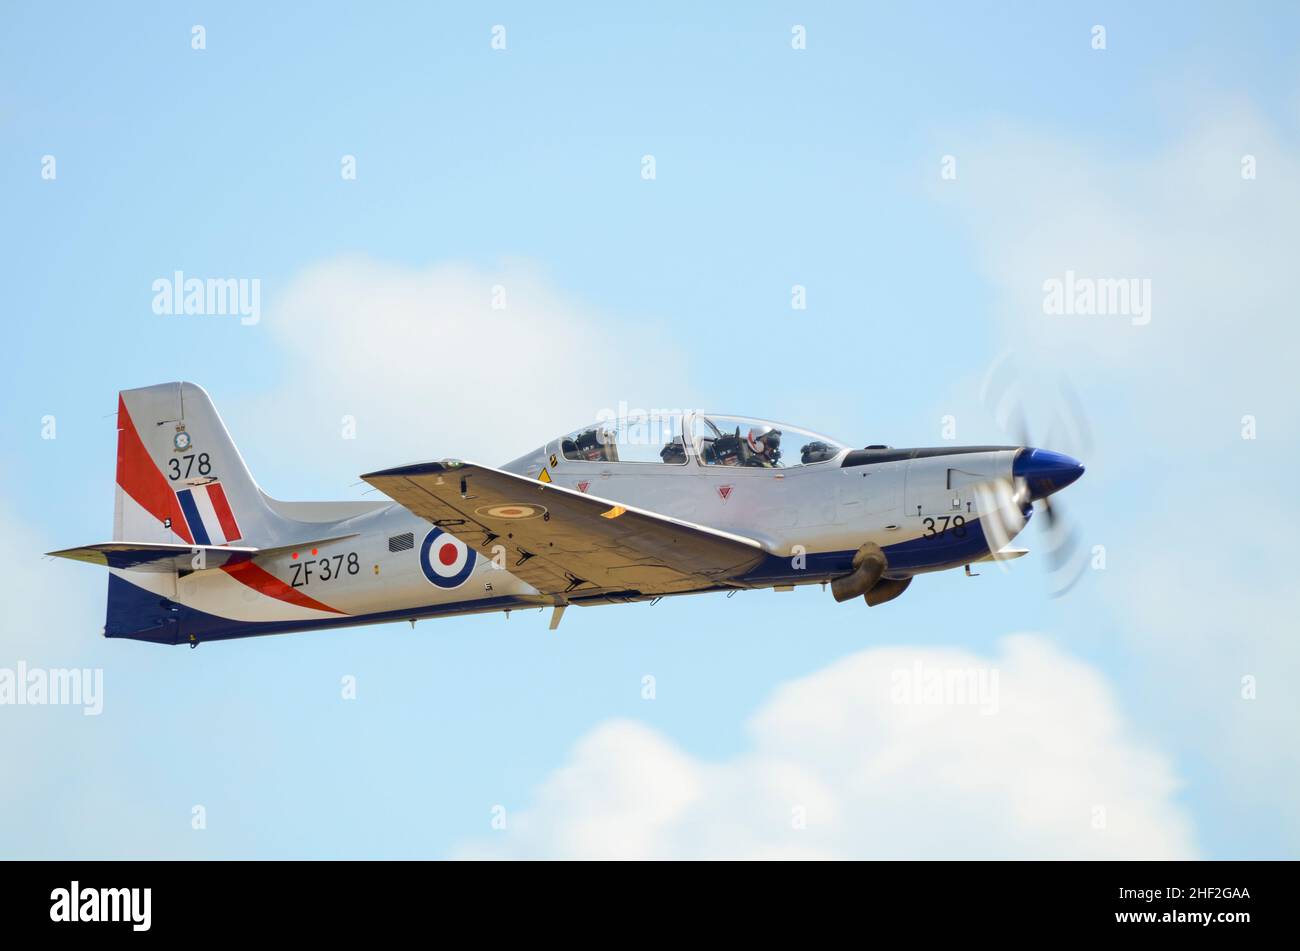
(208, 514)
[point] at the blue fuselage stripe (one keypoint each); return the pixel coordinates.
(925, 553)
(140, 615)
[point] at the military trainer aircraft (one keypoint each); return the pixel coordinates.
(623, 510)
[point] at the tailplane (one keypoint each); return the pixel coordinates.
(186, 503)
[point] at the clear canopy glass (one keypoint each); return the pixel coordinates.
(650, 437)
(713, 440)
(758, 443)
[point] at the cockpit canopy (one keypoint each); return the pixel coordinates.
(673, 438)
(740, 441)
(652, 437)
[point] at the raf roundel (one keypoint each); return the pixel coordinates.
(446, 560)
(512, 510)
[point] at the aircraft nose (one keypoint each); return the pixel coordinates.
(1045, 471)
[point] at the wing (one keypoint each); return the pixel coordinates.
(565, 543)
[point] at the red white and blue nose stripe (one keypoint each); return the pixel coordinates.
(207, 512)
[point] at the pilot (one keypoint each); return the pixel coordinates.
(764, 444)
(596, 445)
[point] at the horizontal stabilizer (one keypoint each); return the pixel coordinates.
(166, 558)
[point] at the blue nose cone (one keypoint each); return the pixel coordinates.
(1045, 471)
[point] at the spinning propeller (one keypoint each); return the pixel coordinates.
(1037, 473)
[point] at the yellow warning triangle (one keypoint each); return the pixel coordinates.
(544, 477)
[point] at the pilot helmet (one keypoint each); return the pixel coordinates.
(763, 439)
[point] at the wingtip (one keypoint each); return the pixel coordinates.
(415, 469)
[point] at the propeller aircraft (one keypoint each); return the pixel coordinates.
(624, 510)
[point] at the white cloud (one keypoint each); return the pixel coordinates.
(874, 777)
(429, 369)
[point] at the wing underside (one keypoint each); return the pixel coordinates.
(567, 544)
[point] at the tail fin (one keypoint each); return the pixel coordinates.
(180, 478)
(182, 491)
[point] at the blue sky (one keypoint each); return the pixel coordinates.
(774, 167)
